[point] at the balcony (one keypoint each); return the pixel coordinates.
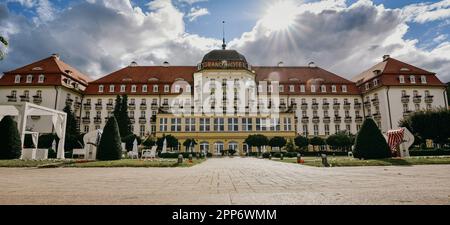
(12, 98)
(283, 107)
(165, 106)
(407, 113)
(348, 119)
(347, 106)
(142, 120)
(304, 106)
(37, 99)
(69, 101)
(86, 120)
(305, 119)
(429, 99)
(97, 120)
(109, 106)
(143, 106)
(367, 104)
(326, 119)
(315, 106)
(337, 119)
(359, 119)
(336, 106)
(376, 101)
(316, 119)
(417, 99)
(377, 116)
(24, 98)
(132, 120)
(131, 106)
(357, 106)
(294, 106)
(405, 98)
(326, 106)
(77, 105)
(98, 106)
(87, 106)
(155, 106)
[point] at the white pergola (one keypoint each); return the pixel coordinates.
(23, 110)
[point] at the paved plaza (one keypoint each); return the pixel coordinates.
(228, 181)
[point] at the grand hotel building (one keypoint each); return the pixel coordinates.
(223, 99)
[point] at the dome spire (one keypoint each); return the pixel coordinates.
(224, 45)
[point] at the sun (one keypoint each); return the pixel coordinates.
(280, 15)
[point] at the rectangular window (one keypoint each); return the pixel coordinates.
(86, 129)
(166, 88)
(258, 124)
(287, 124)
(275, 124)
(375, 82)
(163, 124)
(111, 88)
(302, 88)
(367, 86)
(412, 79)
(29, 78)
(281, 88)
(316, 130)
(423, 79)
(155, 88)
(344, 88)
(305, 130)
(333, 88)
(122, 88)
(327, 129)
(133, 88)
(17, 79)
(401, 79)
(247, 124)
(347, 127)
(176, 124)
(291, 88)
(100, 88)
(323, 88)
(41, 79)
(233, 124)
(219, 124)
(142, 130)
(205, 124)
(190, 125)
(144, 88)
(337, 128)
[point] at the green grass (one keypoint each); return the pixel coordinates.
(98, 164)
(349, 162)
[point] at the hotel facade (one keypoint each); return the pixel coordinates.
(223, 99)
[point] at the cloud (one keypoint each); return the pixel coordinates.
(197, 12)
(191, 2)
(426, 12)
(344, 39)
(98, 37)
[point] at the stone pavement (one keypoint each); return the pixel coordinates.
(228, 181)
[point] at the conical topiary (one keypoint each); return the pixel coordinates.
(110, 145)
(370, 143)
(10, 145)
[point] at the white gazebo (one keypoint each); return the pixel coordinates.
(21, 112)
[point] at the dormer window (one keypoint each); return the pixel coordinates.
(323, 88)
(17, 79)
(166, 88)
(188, 88)
(375, 82)
(344, 88)
(291, 88)
(423, 79)
(401, 79)
(281, 88)
(144, 88)
(122, 88)
(177, 88)
(302, 88)
(41, 78)
(133, 88)
(155, 88)
(333, 88)
(367, 86)
(412, 79)
(100, 88)
(313, 88)
(29, 78)
(111, 88)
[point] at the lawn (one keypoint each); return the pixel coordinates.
(104, 164)
(342, 161)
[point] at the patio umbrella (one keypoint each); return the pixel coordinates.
(135, 146)
(54, 145)
(164, 148)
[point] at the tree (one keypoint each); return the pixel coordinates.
(149, 142)
(72, 133)
(419, 124)
(340, 141)
(172, 142)
(278, 142)
(257, 140)
(301, 142)
(187, 144)
(4, 42)
(290, 146)
(10, 143)
(370, 143)
(121, 114)
(316, 141)
(110, 144)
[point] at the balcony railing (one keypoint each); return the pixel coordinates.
(98, 106)
(336, 106)
(315, 106)
(37, 99)
(405, 98)
(407, 113)
(417, 99)
(24, 98)
(316, 119)
(367, 104)
(132, 120)
(326, 106)
(429, 99)
(357, 106)
(376, 101)
(294, 106)
(165, 106)
(347, 106)
(87, 106)
(131, 106)
(86, 120)
(305, 119)
(77, 105)
(326, 119)
(304, 106)
(348, 119)
(359, 119)
(142, 120)
(337, 119)
(97, 120)
(69, 101)
(377, 116)
(109, 106)
(155, 106)
(12, 98)
(143, 107)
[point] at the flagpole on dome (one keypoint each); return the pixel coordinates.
(224, 45)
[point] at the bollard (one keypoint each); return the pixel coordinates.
(180, 158)
(299, 158)
(190, 158)
(281, 156)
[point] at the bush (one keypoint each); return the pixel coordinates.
(370, 143)
(10, 144)
(437, 152)
(301, 142)
(129, 140)
(110, 146)
(231, 152)
(185, 155)
(266, 155)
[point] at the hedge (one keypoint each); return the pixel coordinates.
(185, 155)
(437, 152)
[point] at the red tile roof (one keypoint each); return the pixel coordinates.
(52, 67)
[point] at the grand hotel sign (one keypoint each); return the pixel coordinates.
(224, 65)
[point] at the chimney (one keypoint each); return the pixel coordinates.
(133, 64)
(386, 57)
(166, 64)
(55, 55)
(312, 65)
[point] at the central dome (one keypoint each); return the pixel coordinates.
(224, 59)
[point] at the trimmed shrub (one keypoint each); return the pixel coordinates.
(437, 152)
(110, 145)
(129, 140)
(266, 155)
(370, 143)
(10, 144)
(301, 142)
(175, 155)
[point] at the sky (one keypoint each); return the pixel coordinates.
(343, 36)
